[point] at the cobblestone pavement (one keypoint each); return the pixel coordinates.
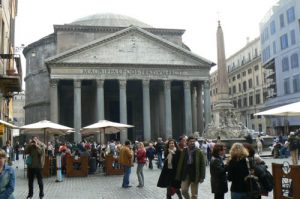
(99, 186)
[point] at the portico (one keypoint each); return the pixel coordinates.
(156, 107)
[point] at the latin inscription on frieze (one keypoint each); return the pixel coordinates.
(163, 73)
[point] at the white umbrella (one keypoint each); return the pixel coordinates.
(46, 127)
(8, 124)
(286, 110)
(105, 127)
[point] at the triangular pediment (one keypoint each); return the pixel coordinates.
(130, 46)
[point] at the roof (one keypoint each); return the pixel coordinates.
(110, 20)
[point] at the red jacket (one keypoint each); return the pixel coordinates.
(141, 156)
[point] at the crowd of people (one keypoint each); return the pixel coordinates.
(182, 162)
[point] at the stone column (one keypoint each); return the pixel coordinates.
(200, 125)
(100, 108)
(146, 110)
(77, 110)
(207, 106)
(123, 109)
(168, 108)
(54, 100)
(194, 109)
(188, 108)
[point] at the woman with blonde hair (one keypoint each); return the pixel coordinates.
(141, 160)
(7, 178)
(238, 170)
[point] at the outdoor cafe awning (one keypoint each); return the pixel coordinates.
(292, 109)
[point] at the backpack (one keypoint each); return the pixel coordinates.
(294, 144)
(265, 178)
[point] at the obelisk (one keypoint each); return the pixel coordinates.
(222, 83)
(225, 123)
(223, 102)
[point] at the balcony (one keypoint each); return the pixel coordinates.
(11, 78)
(270, 65)
(270, 75)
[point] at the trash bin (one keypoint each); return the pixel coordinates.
(92, 165)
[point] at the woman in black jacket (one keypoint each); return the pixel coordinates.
(237, 171)
(168, 173)
(218, 177)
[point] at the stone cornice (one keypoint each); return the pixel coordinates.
(111, 29)
(39, 103)
(251, 63)
(123, 32)
(36, 73)
(125, 65)
(45, 40)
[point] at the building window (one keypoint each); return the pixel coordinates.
(257, 98)
(251, 100)
(233, 78)
(266, 53)
(239, 103)
(250, 83)
(244, 86)
(296, 83)
(290, 15)
(256, 67)
(285, 64)
(238, 76)
(284, 41)
(240, 87)
(293, 37)
(233, 90)
(244, 73)
(257, 80)
(229, 91)
(294, 60)
(286, 86)
(245, 102)
(234, 103)
(255, 52)
(272, 27)
(281, 19)
(274, 47)
(249, 71)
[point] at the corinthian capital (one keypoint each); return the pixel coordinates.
(146, 83)
(54, 83)
(122, 83)
(100, 83)
(167, 84)
(206, 84)
(77, 83)
(187, 84)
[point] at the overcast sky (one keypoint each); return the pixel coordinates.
(239, 19)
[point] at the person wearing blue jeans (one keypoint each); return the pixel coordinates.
(127, 171)
(160, 147)
(126, 160)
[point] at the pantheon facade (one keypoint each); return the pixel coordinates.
(117, 68)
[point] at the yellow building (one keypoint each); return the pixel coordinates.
(10, 63)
